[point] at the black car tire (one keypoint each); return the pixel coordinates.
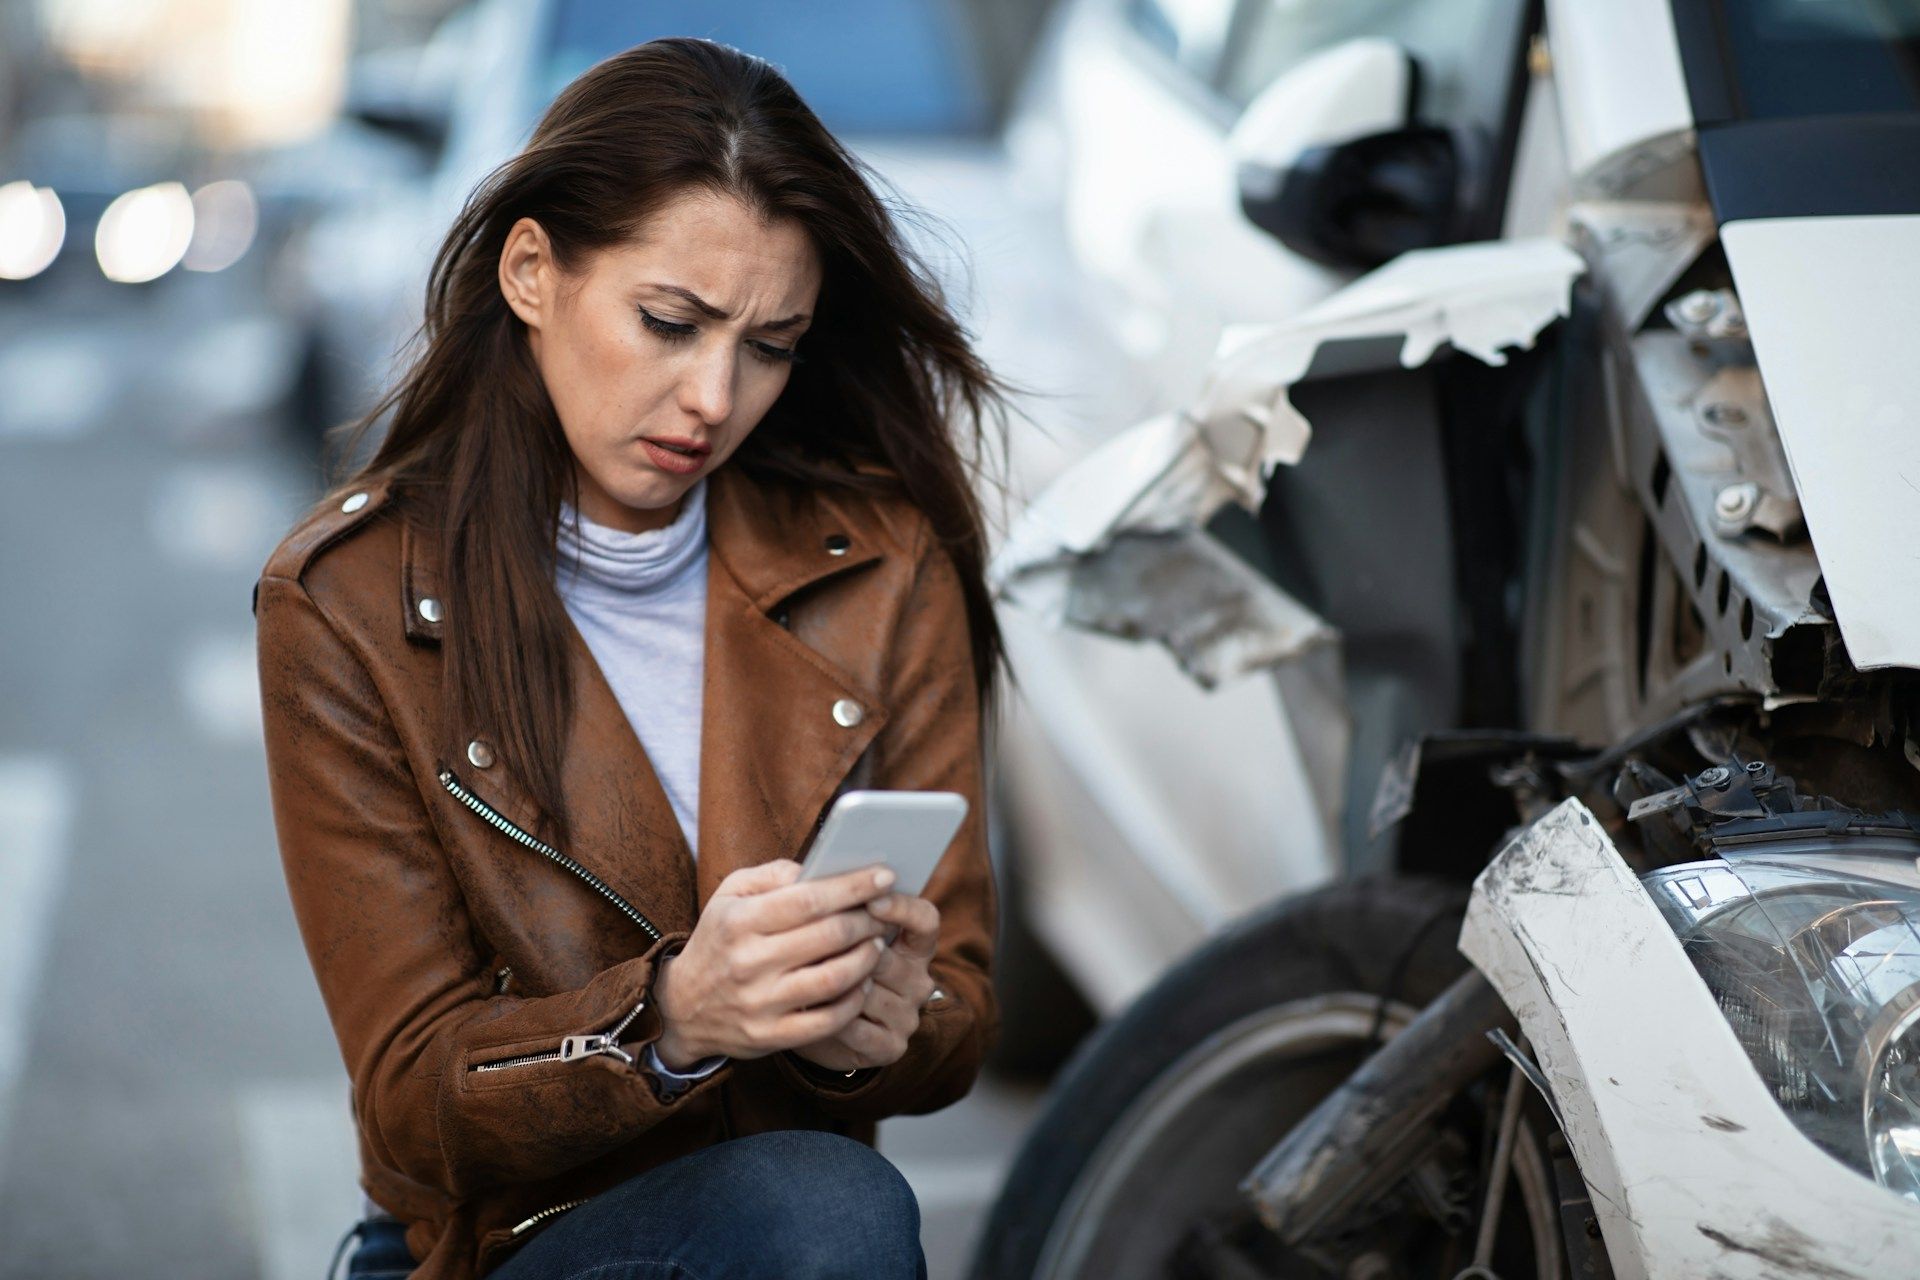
(1370, 939)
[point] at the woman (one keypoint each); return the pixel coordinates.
(667, 544)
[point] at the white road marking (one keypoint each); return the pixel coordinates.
(36, 817)
(219, 684)
(301, 1170)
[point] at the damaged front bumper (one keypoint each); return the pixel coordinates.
(1693, 1168)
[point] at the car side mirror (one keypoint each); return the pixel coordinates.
(1367, 201)
(1330, 162)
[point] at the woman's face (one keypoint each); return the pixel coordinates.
(680, 336)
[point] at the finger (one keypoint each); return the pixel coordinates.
(748, 882)
(877, 1044)
(898, 971)
(918, 919)
(821, 938)
(804, 1026)
(826, 981)
(891, 1010)
(781, 909)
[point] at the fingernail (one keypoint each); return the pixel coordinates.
(882, 878)
(881, 943)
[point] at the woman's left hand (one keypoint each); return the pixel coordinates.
(901, 985)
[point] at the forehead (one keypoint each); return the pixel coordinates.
(723, 251)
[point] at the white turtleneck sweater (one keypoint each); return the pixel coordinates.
(640, 602)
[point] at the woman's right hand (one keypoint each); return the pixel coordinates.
(770, 964)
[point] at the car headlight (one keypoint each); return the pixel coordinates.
(143, 234)
(1811, 946)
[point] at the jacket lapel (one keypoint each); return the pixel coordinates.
(772, 752)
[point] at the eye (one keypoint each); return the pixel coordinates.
(774, 355)
(665, 328)
(673, 331)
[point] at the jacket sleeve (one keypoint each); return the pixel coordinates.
(404, 978)
(932, 741)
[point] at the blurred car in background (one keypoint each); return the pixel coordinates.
(468, 99)
(139, 270)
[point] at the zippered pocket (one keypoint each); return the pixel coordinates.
(571, 1048)
(507, 827)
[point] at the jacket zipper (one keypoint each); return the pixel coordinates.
(500, 823)
(552, 1211)
(574, 1048)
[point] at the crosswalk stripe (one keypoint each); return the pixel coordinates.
(36, 816)
(301, 1171)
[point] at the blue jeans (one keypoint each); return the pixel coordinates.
(791, 1205)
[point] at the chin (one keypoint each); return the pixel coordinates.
(644, 489)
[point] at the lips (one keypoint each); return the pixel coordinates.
(692, 448)
(676, 456)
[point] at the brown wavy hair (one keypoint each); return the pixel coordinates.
(474, 446)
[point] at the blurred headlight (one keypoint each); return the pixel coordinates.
(225, 217)
(144, 233)
(33, 226)
(1811, 946)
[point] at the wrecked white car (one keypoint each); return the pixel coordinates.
(1584, 571)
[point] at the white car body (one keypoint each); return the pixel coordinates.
(1169, 820)
(1149, 810)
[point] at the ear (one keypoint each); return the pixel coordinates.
(527, 275)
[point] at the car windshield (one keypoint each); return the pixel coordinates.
(864, 66)
(1821, 57)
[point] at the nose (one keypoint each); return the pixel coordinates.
(706, 390)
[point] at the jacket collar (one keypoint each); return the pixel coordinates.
(772, 750)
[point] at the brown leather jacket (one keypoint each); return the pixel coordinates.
(490, 995)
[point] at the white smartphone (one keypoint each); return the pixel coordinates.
(907, 831)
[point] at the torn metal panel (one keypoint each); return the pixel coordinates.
(1217, 615)
(1173, 472)
(1694, 1170)
(1157, 476)
(1222, 620)
(1640, 248)
(1477, 298)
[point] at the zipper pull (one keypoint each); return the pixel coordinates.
(574, 1048)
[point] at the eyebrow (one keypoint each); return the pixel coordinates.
(712, 312)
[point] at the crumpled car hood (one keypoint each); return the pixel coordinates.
(1168, 475)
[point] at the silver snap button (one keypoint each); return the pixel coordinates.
(480, 754)
(837, 544)
(429, 608)
(847, 713)
(354, 503)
